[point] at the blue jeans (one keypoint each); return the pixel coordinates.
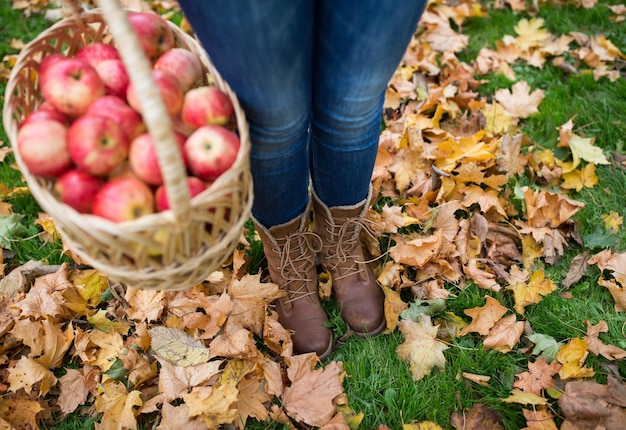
(311, 76)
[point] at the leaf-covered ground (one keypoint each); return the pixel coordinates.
(465, 199)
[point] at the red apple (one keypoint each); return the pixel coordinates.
(153, 31)
(45, 111)
(43, 147)
(113, 74)
(183, 64)
(206, 105)
(71, 85)
(123, 199)
(48, 61)
(97, 144)
(143, 160)
(118, 110)
(196, 186)
(170, 90)
(96, 52)
(210, 151)
(77, 189)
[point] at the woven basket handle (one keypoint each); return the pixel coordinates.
(153, 110)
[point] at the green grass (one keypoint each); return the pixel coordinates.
(379, 384)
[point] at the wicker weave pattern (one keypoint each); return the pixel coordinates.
(163, 251)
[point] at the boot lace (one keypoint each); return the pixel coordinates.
(344, 254)
(297, 261)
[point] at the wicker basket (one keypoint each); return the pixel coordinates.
(169, 250)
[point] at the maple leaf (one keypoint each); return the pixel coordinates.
(19, 413)
(177, 417)
(540, 418)
(519, 102)
(478, 417)
(484, 318)
(612, 221)
(307, 383)
(530, 33)
(119, 407)
(572, 356)
(497, 121)
(519, 396)
(276, 337)
(234, 342)
(394, 306)
(421, 348)
(509, 157)
(617, 291)
(250, 300)
(579, 179)
(464, 150)
(108, 347)
(144, 305)
(597, 347)
(176, 380)
(28, 372)
(75, 387)
(545, 346)
(505, 334)
(596, 405)
(538, 377)
(212, 405)
(537, 287)
(251, 400)
(416, 252)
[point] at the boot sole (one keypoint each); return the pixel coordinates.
(378, 330)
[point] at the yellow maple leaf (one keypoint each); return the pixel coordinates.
(533, 291)
(421, 348)
(119, 407)
(212, 405)
(452, 151)
(519, 396)
(394, 306)
(572, 356)
(612, 221)
(422, 425)
(497, 121)
(530, 33)
(579, 179)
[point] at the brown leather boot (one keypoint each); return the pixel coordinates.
(290, 251)
(355, 287)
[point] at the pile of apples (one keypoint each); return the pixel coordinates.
(88, 135)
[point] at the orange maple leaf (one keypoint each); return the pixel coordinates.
(484, 318)
(538, 377)
(505, 334)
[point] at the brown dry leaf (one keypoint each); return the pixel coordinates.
(572, 356)
(421, 348)
(45, 298)
(145, 305)
(177, 417)
(588, 405)
(482, 278)
(75, 387)
(519, 102)
(617, 291)
(107, 347)
(484, 318)
(416, 252)
(19, 413)
(307, 383)
(212, 405)
(478, 417)
(540, 418)
(615, 262)
(250, 300)
(577, 269)
(505, 334)
(549, 209)
(509, 158)
(252, 400)
(538, 377)
(597, 347)
(532, 292)
(28, 374)
(175, 380)
(234, 342)
(276, 337)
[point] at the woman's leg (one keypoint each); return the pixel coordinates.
(264, 51)
(358, 46)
